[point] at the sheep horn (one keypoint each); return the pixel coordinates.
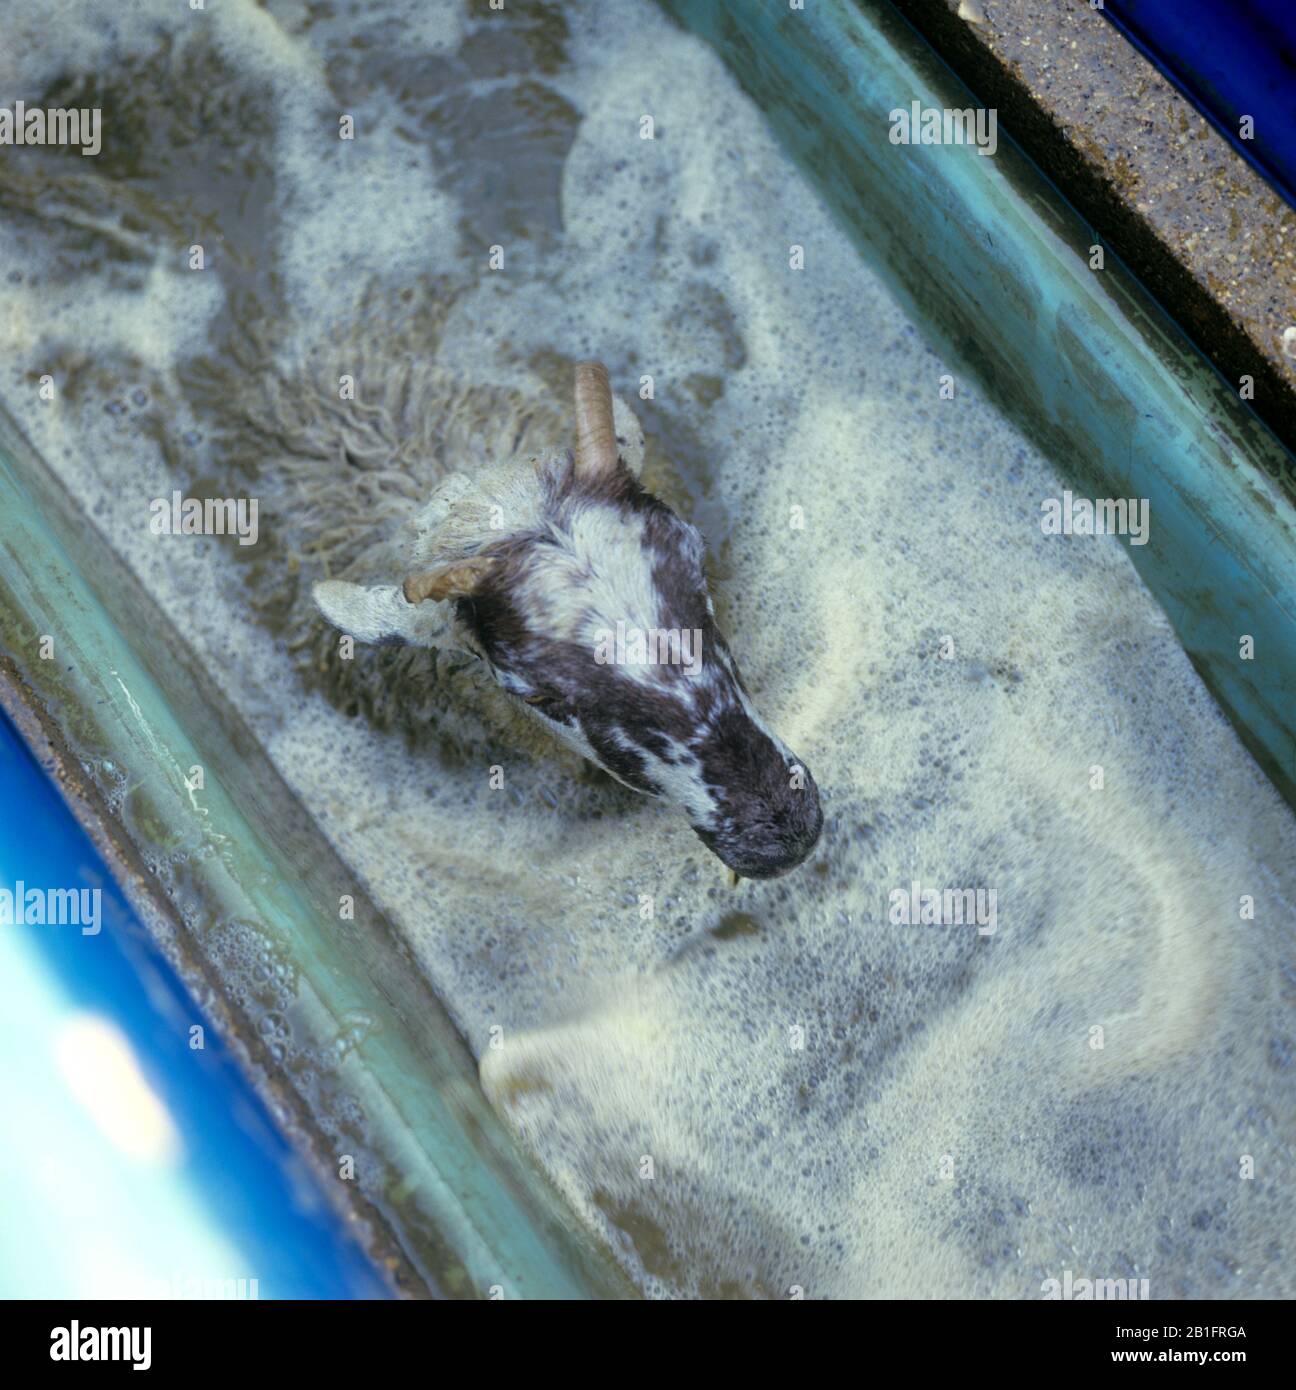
(596, 445)
(450, 581)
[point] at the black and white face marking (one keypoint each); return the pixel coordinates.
(598, 618)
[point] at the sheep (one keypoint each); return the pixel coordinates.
(531, 565)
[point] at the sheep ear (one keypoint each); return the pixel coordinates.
(459, 580)
(629, 435)
(381, 615)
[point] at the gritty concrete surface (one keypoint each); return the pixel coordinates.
(1159, 185)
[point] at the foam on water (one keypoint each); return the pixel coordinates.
(771, 1087)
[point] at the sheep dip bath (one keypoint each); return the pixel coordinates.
(825, 1081)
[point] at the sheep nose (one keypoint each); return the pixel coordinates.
(776, 840)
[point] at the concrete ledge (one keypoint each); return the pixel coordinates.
(1157, 183)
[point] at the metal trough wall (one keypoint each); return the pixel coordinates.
(995, 266)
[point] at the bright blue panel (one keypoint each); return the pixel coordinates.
(131, 1164)
(1231, 58)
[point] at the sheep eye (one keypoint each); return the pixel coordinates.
(551, 706)
(547, 704)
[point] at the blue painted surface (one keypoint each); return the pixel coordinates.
(1231, 58)
(198, 1188)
